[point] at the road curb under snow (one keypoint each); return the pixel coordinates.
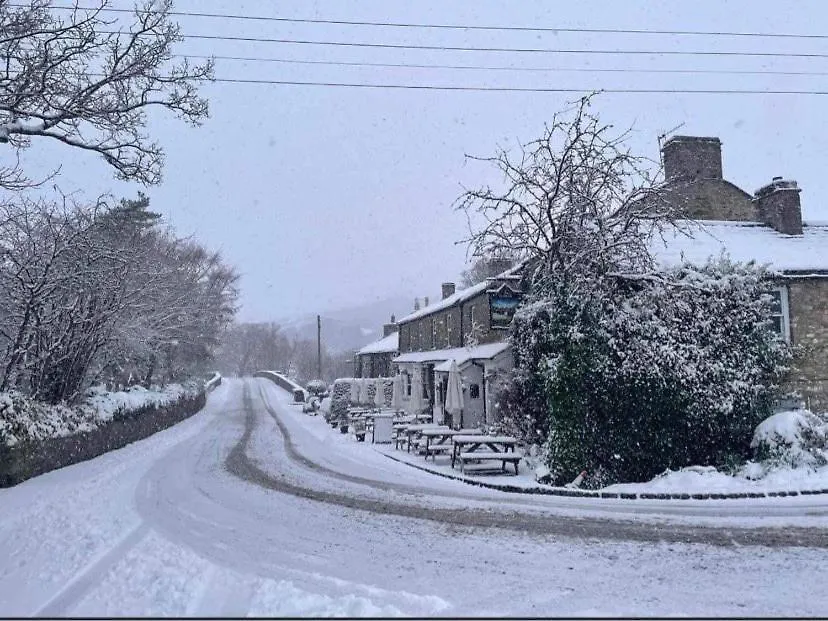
(582, 493)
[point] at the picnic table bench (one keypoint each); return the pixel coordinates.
(398, 434)
(480, 448)
(412, 432)
(438, 440)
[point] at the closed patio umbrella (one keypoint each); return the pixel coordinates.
(416, 402)
(355, 391)
(454, 393)
(379, 396)
(397, 393)
(363, 391)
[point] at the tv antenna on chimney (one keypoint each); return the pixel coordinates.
(661, 138)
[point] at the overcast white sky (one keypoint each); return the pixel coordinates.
(327, 197)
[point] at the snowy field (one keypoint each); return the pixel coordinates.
(162, 528)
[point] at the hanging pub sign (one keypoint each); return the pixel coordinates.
(503, 303)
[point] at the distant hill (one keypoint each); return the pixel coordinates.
(350, 328)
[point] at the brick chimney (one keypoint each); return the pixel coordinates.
(689, 158)
(448, 289)
(390, 328)
(425, 301)
(778, 206)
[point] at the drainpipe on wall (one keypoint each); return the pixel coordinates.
(483, 391)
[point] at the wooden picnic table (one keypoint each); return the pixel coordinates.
(438, 440)
(412, 432)
(484, 448)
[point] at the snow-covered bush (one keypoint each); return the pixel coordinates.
(325, 406)
(340, 398)
(316, 387)
(653, 374)
(794, 438)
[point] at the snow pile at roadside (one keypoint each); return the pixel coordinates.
(706, 479)
(794, 439)
(23, 418)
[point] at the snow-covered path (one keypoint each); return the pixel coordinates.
(217, 516)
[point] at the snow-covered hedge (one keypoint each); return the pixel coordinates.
(24, 419)
(634, 376)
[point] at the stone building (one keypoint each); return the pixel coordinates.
(470, 327)
(765, 226)
(374, 360)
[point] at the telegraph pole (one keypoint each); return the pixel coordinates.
(318, 347)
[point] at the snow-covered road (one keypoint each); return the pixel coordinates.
(251, 508)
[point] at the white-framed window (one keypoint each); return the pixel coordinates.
(780, 314)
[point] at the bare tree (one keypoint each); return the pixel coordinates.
(88, 82)
(96, 291)
(575, 201)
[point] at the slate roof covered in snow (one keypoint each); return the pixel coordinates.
(462, 295)
(390, 343)
(745, 241)
(460, 354)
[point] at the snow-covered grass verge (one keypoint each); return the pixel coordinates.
(23, 419)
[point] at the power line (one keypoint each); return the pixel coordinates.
(339, 63)
(341, 22)
(505, 89)
(450, 48)
(511, 89)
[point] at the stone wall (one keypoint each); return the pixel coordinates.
(808, 310)
(30, 459)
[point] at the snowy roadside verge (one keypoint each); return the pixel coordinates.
(687, 484)
(35, 438)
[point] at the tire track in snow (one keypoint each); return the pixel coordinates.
(240, 465)
(77, 588)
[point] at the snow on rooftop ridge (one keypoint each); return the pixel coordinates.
(390, 343)
(460, 296)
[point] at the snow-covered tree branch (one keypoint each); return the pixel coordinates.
(87, 82)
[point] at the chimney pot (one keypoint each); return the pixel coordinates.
(389, 328)
(779, 206)
(425, 301)
(416, 304)
(448, 289)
